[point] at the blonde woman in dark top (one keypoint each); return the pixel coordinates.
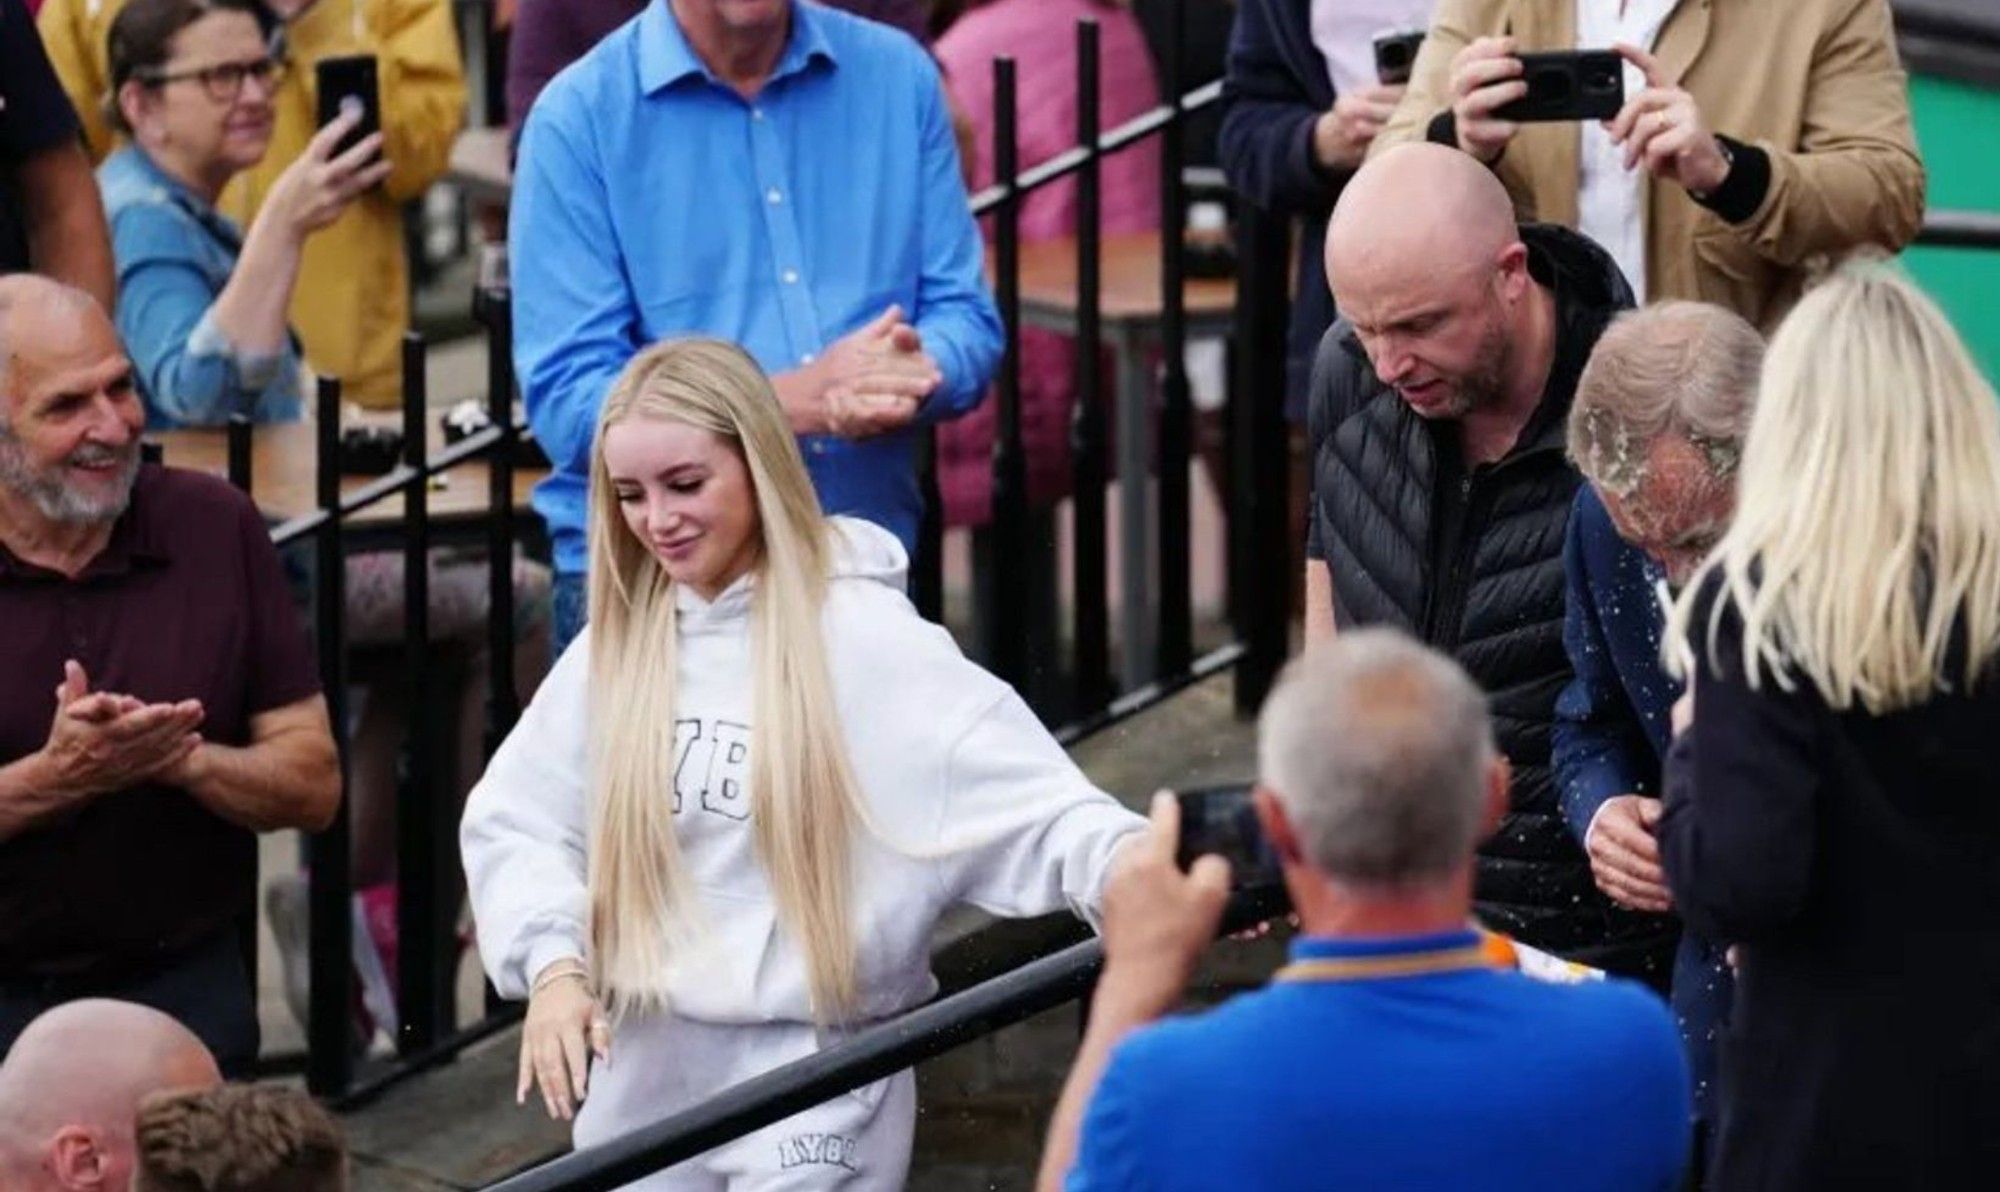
(1832, 811)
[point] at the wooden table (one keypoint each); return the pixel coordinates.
(284, 476)
(1130, 311)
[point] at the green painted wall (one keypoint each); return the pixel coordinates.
(1958, 130)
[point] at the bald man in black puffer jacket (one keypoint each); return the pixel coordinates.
(1441, 491)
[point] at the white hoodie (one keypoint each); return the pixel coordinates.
(945, 755)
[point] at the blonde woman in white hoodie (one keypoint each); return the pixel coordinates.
(725, 829)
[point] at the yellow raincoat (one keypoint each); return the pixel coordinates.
(352, 303)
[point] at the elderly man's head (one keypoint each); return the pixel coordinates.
(71, 1086)
(1380, 753)
(1658, 423)
(70, 415)
(1428, 268)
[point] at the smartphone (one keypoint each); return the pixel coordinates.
(344, 79)
(1569, 85)
(1221, 820)
(1395, 54)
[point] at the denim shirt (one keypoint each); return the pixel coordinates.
(174, 254)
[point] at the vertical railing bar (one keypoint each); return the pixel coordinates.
(1091, 615)
(503, 702)
(329, 1020)
(1260, 550)
(1175, 643)
(237, 440)
(927, 567)
(1007, 574)
(419, 998)
(493, 304)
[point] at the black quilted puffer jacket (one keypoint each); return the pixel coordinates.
(1472, 564)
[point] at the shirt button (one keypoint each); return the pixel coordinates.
(773, 195)
(806, 359)
(791, 277)
(756, 113)
(819, 448)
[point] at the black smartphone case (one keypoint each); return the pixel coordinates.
(352, 75)
(1569, 85)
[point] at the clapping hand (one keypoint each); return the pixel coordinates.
(100, 741)
(876, 378)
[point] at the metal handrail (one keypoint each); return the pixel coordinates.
(1961, 229)
(1069, 161)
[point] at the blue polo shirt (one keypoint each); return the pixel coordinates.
(651, 200)
(1404, 1063)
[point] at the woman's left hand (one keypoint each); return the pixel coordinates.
(1662, 126)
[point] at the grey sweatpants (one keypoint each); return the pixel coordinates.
(660, 1064)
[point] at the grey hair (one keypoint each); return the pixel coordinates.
(17, 288)
(1684, 368)
(1379, 749)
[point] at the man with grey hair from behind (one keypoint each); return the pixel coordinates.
(71, 1087)
(1656, 428)
(1401, 1047)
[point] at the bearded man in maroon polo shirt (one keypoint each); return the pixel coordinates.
(158, 700)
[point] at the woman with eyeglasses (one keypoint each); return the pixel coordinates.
(201, 305)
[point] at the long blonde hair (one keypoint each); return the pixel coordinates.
(804, 800)
(1865, 553)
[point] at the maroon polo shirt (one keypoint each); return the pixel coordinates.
(187, 601)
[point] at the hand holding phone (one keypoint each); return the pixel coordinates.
(1222, 821)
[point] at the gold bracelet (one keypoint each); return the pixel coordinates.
(556, 972)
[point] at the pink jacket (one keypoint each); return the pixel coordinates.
(1040, 35)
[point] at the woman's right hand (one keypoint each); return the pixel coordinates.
(315, 189)
(565, 1026)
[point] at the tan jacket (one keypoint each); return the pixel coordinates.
(352, 303)
(1816, 84)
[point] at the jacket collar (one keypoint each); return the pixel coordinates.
(132, 164)
(666, 58)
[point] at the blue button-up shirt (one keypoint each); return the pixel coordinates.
(175, 254)
(652, 200)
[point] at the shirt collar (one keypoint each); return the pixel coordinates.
(665, 58)
(1326, 947)
(149, 170)
(134, 542)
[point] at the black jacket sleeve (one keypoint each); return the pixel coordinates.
(1742, 793)
(1266, 138)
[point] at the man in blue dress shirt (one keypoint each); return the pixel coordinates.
(1400, 1048)
(772, 172)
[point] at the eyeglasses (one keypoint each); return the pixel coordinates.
(224, 80)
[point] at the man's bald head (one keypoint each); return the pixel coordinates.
(71, 1085)
(1428, 268)
(29, 305)
(1420, 208)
